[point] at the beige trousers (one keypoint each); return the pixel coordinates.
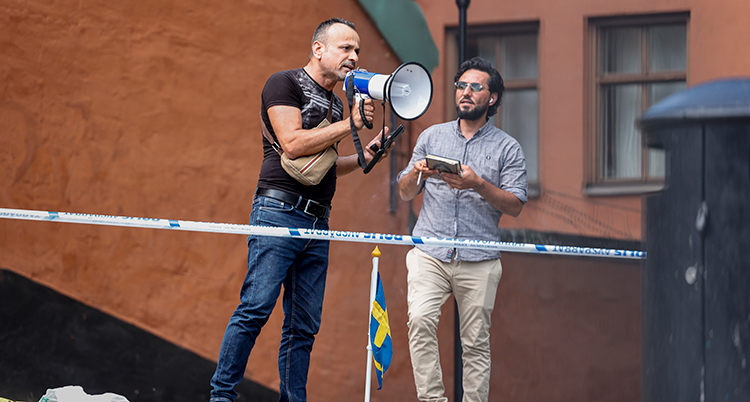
(474, 286)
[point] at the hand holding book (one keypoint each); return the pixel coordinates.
(443, 165)
(439, 164)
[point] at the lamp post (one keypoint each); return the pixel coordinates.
(457, 351)
(462, 6)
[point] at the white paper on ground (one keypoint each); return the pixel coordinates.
(75, 393)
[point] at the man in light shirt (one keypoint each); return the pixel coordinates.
(467, 205)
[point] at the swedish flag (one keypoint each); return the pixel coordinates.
(380, 334)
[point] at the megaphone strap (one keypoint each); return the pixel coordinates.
(355, 137)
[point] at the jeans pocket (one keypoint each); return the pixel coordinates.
(272, 212)
(274, 205)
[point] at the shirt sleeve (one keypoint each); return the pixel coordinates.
(513, 172)
(280, 90)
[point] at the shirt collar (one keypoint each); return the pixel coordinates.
(479, 132)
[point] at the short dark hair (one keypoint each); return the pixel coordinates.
(496, 81)
(321, 32)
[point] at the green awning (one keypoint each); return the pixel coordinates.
(404, 27)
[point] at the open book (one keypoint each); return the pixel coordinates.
(443, 164)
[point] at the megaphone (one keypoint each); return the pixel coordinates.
(408, 89)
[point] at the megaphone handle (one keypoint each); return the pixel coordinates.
(362, 114)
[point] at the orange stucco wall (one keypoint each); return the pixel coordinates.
(150, 109)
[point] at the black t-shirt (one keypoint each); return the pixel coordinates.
(297, 89)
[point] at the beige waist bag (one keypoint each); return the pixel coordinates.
(309, 169)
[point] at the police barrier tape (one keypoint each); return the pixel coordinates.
(362, 237)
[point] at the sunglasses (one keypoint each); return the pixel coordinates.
(474, 86)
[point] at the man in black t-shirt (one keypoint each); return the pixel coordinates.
(294, 102)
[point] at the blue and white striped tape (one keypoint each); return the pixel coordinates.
(336, 235)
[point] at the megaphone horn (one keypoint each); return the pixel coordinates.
(408, 89)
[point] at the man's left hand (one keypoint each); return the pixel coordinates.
(468, 180)
(369, 153)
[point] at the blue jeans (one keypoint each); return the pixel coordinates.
(300, 265)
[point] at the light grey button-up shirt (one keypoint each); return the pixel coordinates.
(464, 214)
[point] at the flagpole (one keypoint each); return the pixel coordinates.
(373, 289)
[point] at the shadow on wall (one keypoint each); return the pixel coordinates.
(48, 340)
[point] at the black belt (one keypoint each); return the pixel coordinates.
(310, 207)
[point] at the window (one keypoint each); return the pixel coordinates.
(636, 62)
(512, 50)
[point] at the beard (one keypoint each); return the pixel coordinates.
(340, 72)
(337, 71)
(472, 114)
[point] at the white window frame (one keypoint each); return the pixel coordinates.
(599, 183)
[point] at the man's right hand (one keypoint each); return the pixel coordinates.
(409, 185)
(369, 108)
